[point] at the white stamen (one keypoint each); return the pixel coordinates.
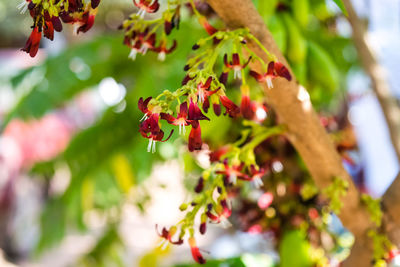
(163, 244)
(149, 145)
(237, 73)
(23, 6)
(144, 117)
(133, 53)
(183, 129)
(153, 150)
(201, 96)
(161, 56)
(141, 13)
(225, 223)
(257, 182)
(144, 49)
(269, 83)
(233, 178)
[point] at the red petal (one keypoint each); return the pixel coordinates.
(226, 61)
(32, 45)
(195, 112)
(195, 142)
(57, 24)
(172, 48)
(217, 109)
(48, 30)
(282, 71)
(231, 108)
(154, 7)
(235, 59)
(245, 107)
(257, 76)
(196, 252)
(271, 68)
(183, 110)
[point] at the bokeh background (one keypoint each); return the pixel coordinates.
(77, 187)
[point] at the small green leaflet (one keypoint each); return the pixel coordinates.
(340, 4)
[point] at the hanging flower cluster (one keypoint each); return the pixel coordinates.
(204, 88)
(201, 89)
(216, 188)
(47, 16)
(143, 35)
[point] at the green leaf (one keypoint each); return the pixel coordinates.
(340, 4)
(294, 250)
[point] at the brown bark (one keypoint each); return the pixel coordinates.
(378, 77)
(391, 208)
(291, 102)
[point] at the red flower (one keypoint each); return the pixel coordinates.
(235, 65)
(256, 176)
(162, 50)
(150, 129)
(135, 48)
(275, 69)
(149, 6)
(217, 154)
(232, 172)
(32, 45)
(231, 108)
(48, 30)
(150, 125)
(86, 21)
(195, 251)
(143, 107)
(195, 113)
(148, 43)
(224, 212)
(180, 120)
(203, 92)
(195, 142)
(246, 107)
(168, 234)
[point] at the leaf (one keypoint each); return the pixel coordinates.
(340, 4)
(294, 250)
(81, 66)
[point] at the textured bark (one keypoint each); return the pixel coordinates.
(292, 105)
(377, 74)
(391, 208)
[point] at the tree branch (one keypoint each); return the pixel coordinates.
(292, 104)
(391, 199)
(378, 77)
(391, 209)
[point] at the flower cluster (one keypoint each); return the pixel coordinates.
(204, 88)
(141, 35)
(216, 188)
(47, 16)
